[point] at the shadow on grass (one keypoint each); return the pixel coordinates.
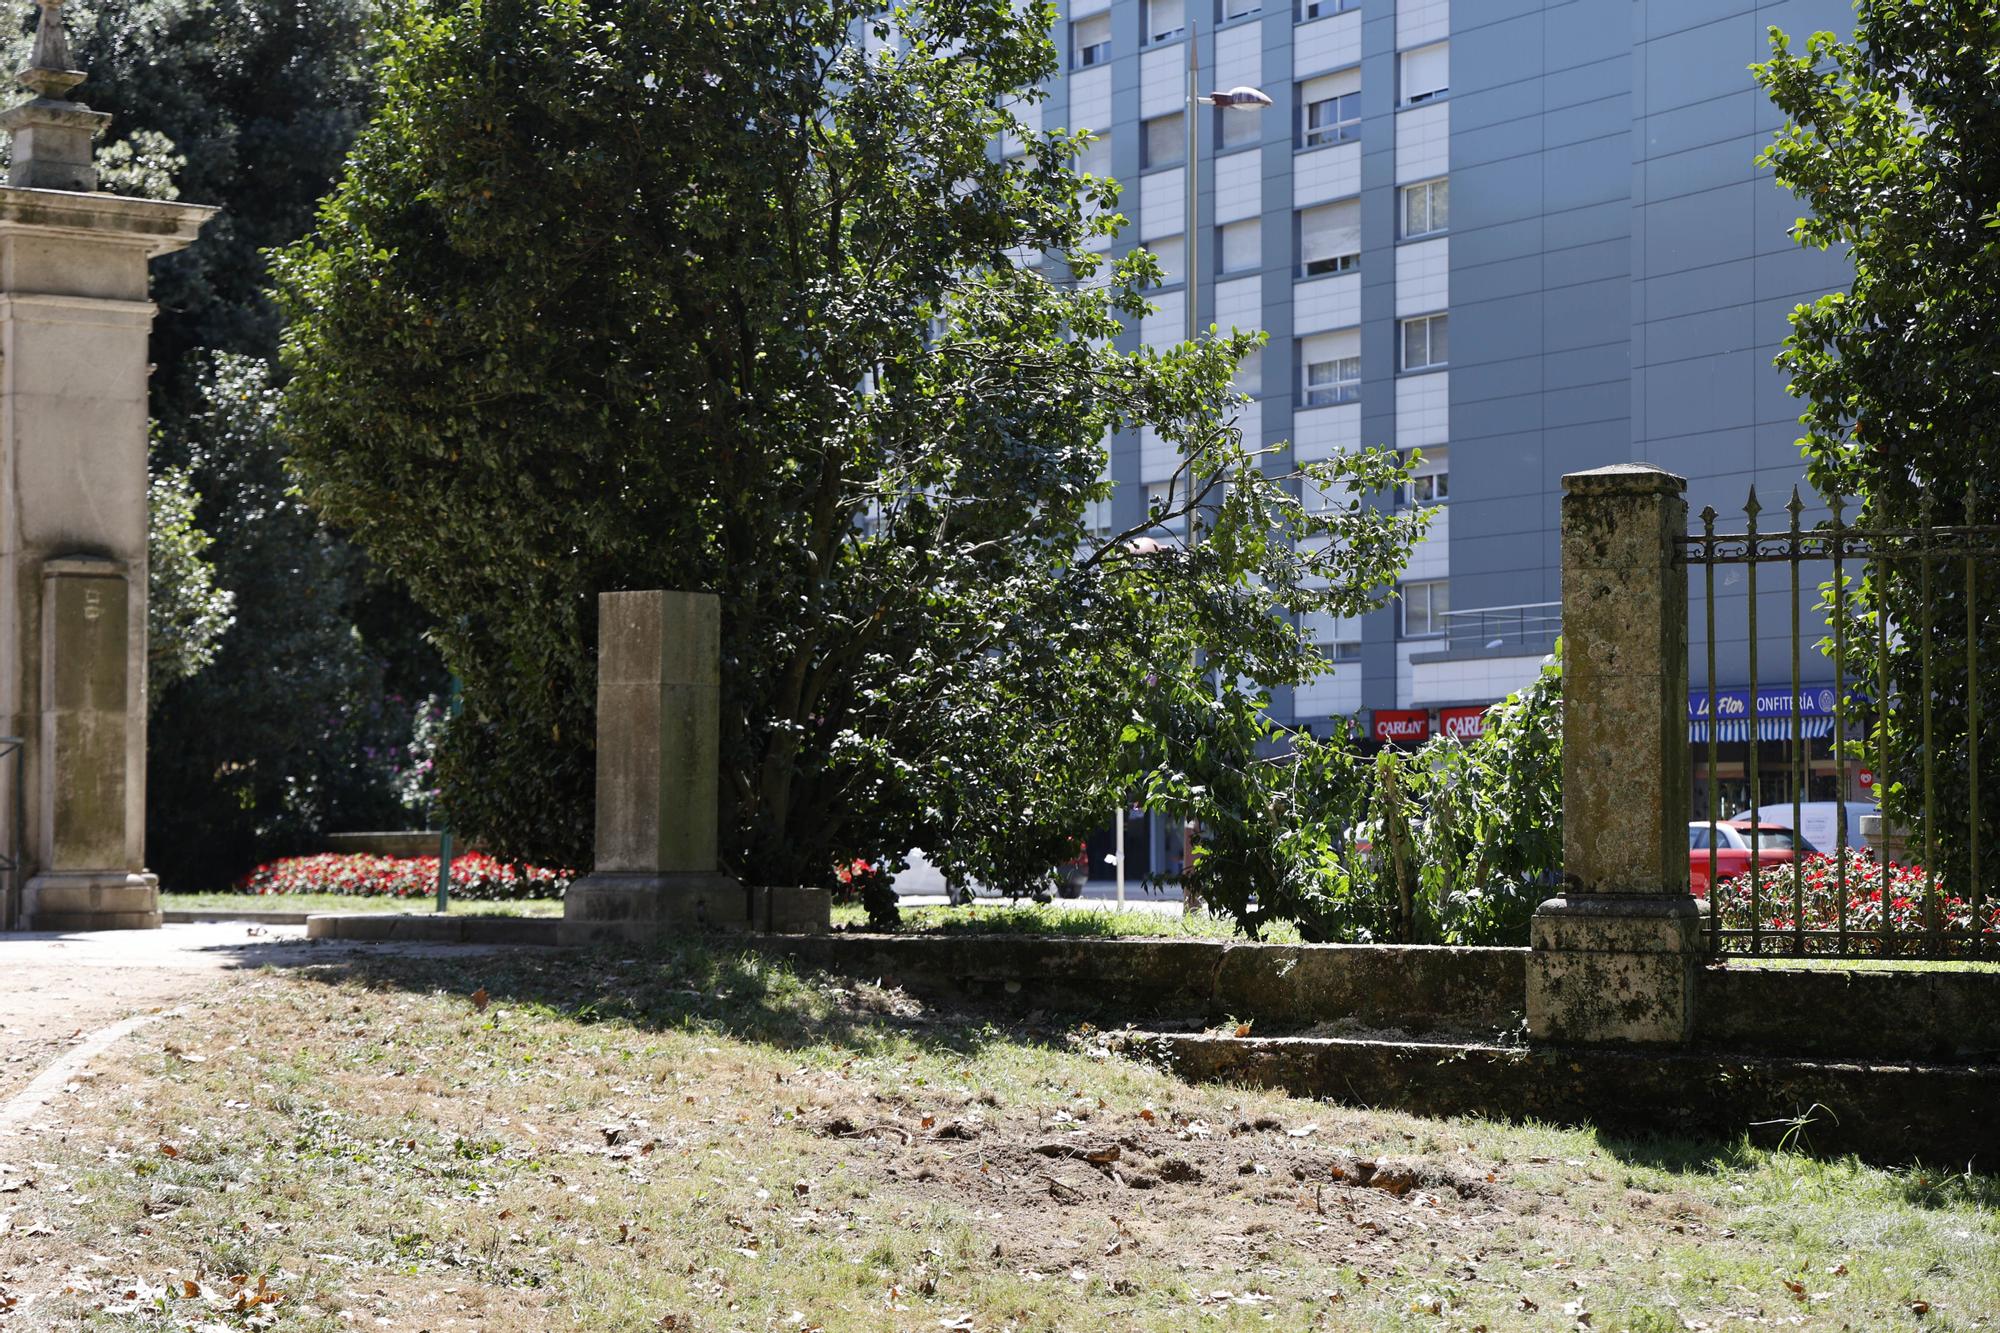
(1918, 1184)
(708, 989)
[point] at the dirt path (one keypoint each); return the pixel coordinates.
(57, 990)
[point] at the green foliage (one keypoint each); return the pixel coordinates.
(1892, 139)
(624, 294)
(186, 614)
(293, 723)
(249, 104)
(1452, 843)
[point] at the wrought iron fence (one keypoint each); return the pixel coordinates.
(1855, 905)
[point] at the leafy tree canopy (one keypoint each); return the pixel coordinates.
(1892, 139)
(738, 297)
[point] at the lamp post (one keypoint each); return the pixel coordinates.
(1241, 98)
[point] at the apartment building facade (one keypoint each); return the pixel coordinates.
(1523, 237)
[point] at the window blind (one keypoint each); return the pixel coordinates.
(1330, 231)
(1426, 72)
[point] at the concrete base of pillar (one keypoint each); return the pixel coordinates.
(643, 907)
(790, 909)
(91, 900)
(1609, 967)
(646, 906)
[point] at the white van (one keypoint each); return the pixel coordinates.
(1818, 821)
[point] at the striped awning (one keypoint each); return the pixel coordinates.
(1737, 730)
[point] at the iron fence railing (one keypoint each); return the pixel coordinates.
(1856, 906)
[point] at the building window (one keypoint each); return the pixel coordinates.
(1161, 497)
(1424, 608)
(1249, 377)
(1426, 208)
(1426, 342)
(1090, 41)
(1236, 9)
(1426, 73)
(1172, 254)
(1240, 246)
(1344, 650)
(1330, 368)
(1094, 158)
(1330, 238)
(1330, 109)
(1237, 128)
(1166, 141)
(1431, 483)
(1319, 9)
(1165, 20)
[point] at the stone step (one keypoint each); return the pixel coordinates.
(1884, 1112)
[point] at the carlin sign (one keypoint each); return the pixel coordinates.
(1463, 724)
(1402, 726)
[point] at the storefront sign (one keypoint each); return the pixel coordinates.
(1402, 726)
(1463, 724)
(1734, 704)
(1866, 777)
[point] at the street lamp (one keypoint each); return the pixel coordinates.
(1241, 98)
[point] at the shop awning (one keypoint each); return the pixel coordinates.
(1768, 729)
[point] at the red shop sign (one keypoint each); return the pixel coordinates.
(1463, 724)
(1397, 726)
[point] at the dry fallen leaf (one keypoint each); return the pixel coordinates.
(169, 1150)
(1798, 1289)
(1242, 1029)
(1920, 1307)
(479, 999)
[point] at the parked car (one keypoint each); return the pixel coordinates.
(1775, 846)
(1819, 821)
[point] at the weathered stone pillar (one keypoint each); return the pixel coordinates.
(1614, 958)
(74, 325)
(659, 691)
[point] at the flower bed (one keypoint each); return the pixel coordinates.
(475, 877)
(1905, 906)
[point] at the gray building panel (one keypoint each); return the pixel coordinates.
(1620, 269)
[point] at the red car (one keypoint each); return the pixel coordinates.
(1775, 846)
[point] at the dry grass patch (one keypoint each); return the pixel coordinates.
(557, 1141)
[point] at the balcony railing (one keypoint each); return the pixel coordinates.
(1503, 631)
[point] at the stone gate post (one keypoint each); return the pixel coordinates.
(659, 701)
(74, 325)
(1614, 958)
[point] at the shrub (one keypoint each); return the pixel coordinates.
(1778, 887)
(1452, 843)
(474, 876)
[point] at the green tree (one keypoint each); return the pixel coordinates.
(293, 724)
(1892, 140)
(627, 294)
(186, 613)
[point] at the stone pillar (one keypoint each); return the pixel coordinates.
(74, 325)
(1614, 958)
(659, 665)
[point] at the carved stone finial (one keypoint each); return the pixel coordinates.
(52, 137)
(51, 70)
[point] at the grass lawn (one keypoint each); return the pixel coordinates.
(555, 1141)
(1028, 918)
(341, 902)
